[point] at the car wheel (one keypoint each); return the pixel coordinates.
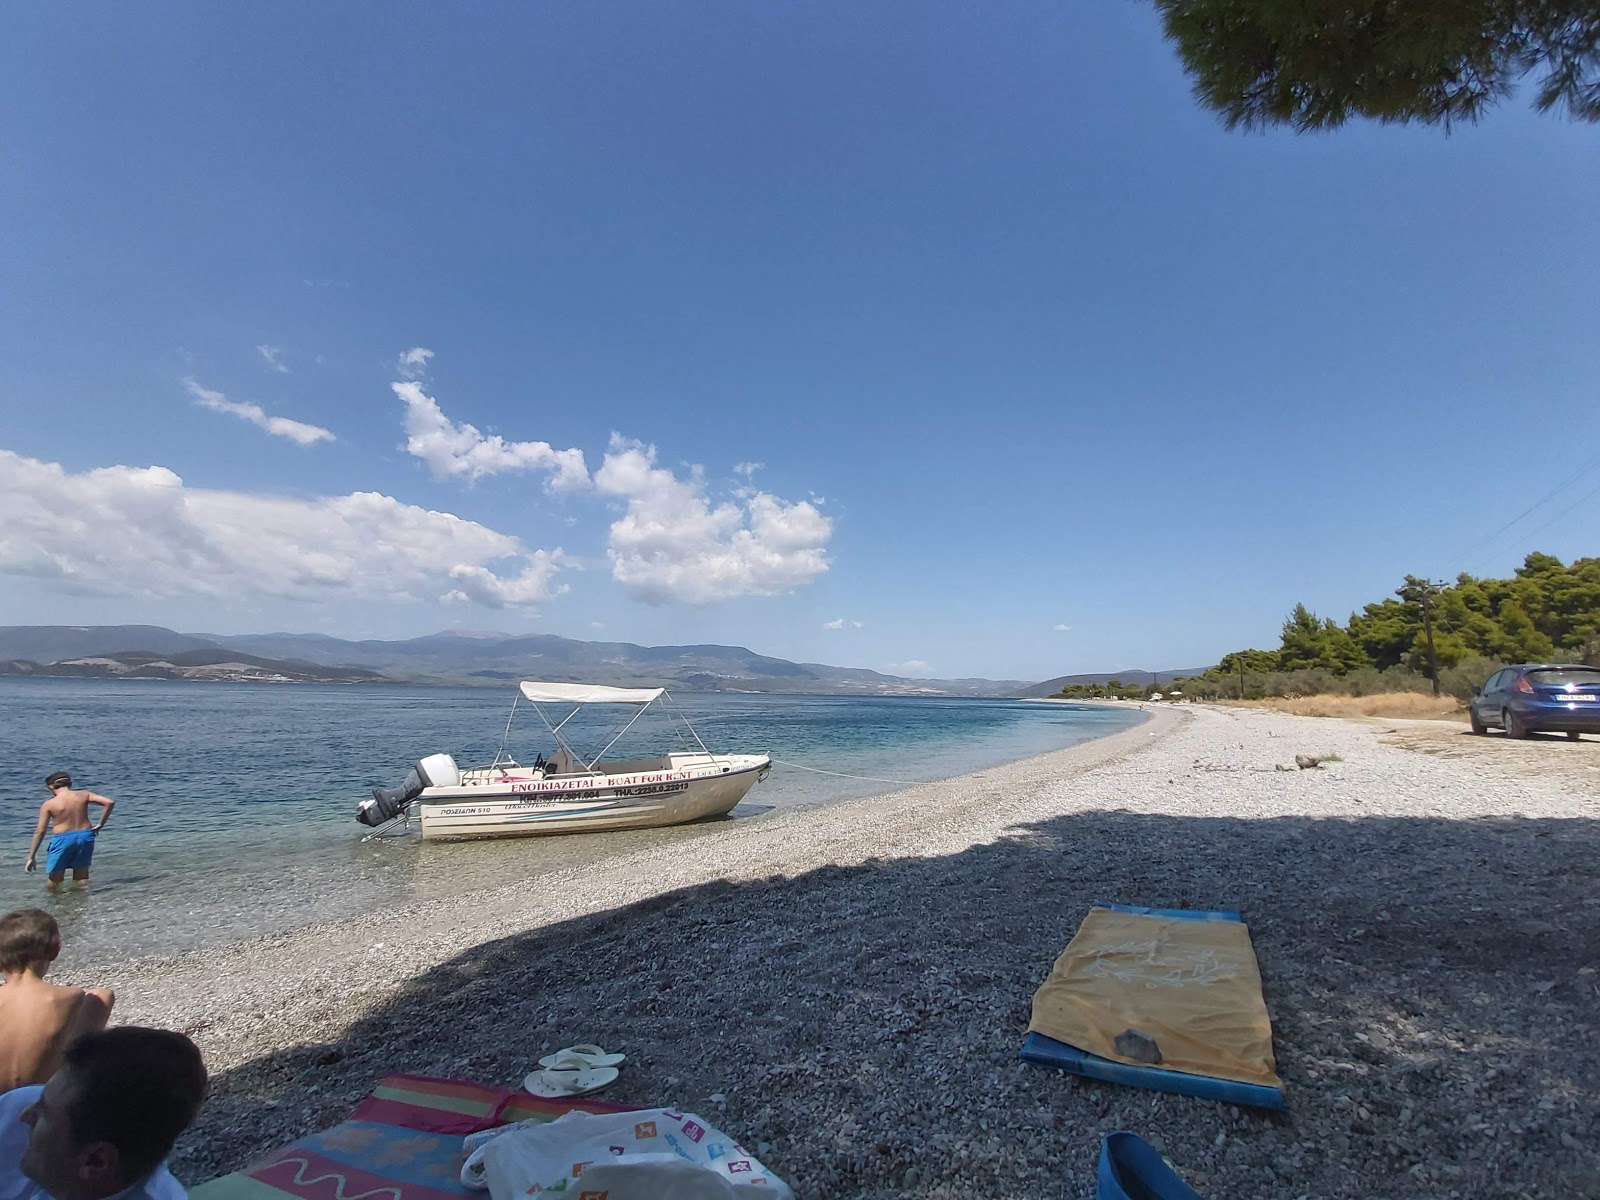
(1514, 726)
(1573, 735)
(1472, 719)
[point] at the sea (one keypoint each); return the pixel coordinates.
(235, 802)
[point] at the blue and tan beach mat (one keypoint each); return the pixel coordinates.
(1160, 998)
(403, 1142)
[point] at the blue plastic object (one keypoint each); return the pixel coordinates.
(1180, 914)
(1130, 1169)
(1043, 1051)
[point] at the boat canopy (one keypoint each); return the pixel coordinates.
(586, 693)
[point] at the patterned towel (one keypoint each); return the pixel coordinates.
(403, 1142)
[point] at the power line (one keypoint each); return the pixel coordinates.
(1540, 502)
(1589, 495)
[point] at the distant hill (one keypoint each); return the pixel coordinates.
(477, 658)
(481, 657)
(1051, 686)
(211, 663)
(51, 643)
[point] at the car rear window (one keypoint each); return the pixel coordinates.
(1576, 677)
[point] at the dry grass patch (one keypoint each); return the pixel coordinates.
(1418, 705)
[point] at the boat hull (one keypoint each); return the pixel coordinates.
(525, 806)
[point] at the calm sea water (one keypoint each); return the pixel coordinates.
(235, 802)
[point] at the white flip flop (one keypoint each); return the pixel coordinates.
(569, 1077)
(586, 1053)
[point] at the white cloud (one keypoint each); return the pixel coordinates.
(747, 469)
(143, 532)
(673, 545)
(841, 623)
(413, 363)
(1061, 628)
(453, 450)
(913, 668)
(297, 432)
(597, 624)
(476, 584)
(273, 357)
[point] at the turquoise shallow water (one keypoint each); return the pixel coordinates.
(235, 802)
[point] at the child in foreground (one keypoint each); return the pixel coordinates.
(39, 1019)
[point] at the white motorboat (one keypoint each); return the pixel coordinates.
(567, 793)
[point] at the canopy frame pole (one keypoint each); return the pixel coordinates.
(555, 733)
(687, 724)
(620, 732)
(506, 736)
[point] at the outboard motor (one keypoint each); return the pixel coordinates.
(437, 770)
(388, 803)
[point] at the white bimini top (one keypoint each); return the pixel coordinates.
(586, 693)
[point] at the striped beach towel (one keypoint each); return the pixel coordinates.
(403, 1142)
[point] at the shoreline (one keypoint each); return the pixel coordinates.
(845, 989)
(198, 861)
(155, 974)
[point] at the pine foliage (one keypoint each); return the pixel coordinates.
(1315, 64)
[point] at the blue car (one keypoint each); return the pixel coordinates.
(1539, 698)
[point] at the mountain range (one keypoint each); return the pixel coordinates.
(146, 651)
(151, 651)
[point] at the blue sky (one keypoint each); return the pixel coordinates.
(946, 325)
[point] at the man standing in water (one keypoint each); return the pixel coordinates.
(66, 816)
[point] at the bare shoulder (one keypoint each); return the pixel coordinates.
(42, 999)
(66, 996)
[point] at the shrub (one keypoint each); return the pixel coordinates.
(1467, 676)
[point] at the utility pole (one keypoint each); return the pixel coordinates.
(1424, 590)
(1240, 661)
(1427, 632)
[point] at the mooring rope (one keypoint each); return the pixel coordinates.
(842, 775)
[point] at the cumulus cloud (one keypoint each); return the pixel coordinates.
(141, 531)
(413, 363)
(672, 544)
(273, 357)
(454, 450)
(841, 623)
(747, 469)
(913, 668)
(1061, 628)
(297, 432)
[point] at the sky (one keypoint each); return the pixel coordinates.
(943, 339)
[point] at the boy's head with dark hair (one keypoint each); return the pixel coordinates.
(111, 1113)
(29, 937)
(58, 779)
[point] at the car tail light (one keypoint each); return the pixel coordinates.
(1522, 685)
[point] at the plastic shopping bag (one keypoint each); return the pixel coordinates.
(648, 1154)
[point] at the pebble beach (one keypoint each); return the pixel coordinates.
(845, 988)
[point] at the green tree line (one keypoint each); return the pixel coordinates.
(1547, 611)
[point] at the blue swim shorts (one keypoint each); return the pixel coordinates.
(70, 851)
